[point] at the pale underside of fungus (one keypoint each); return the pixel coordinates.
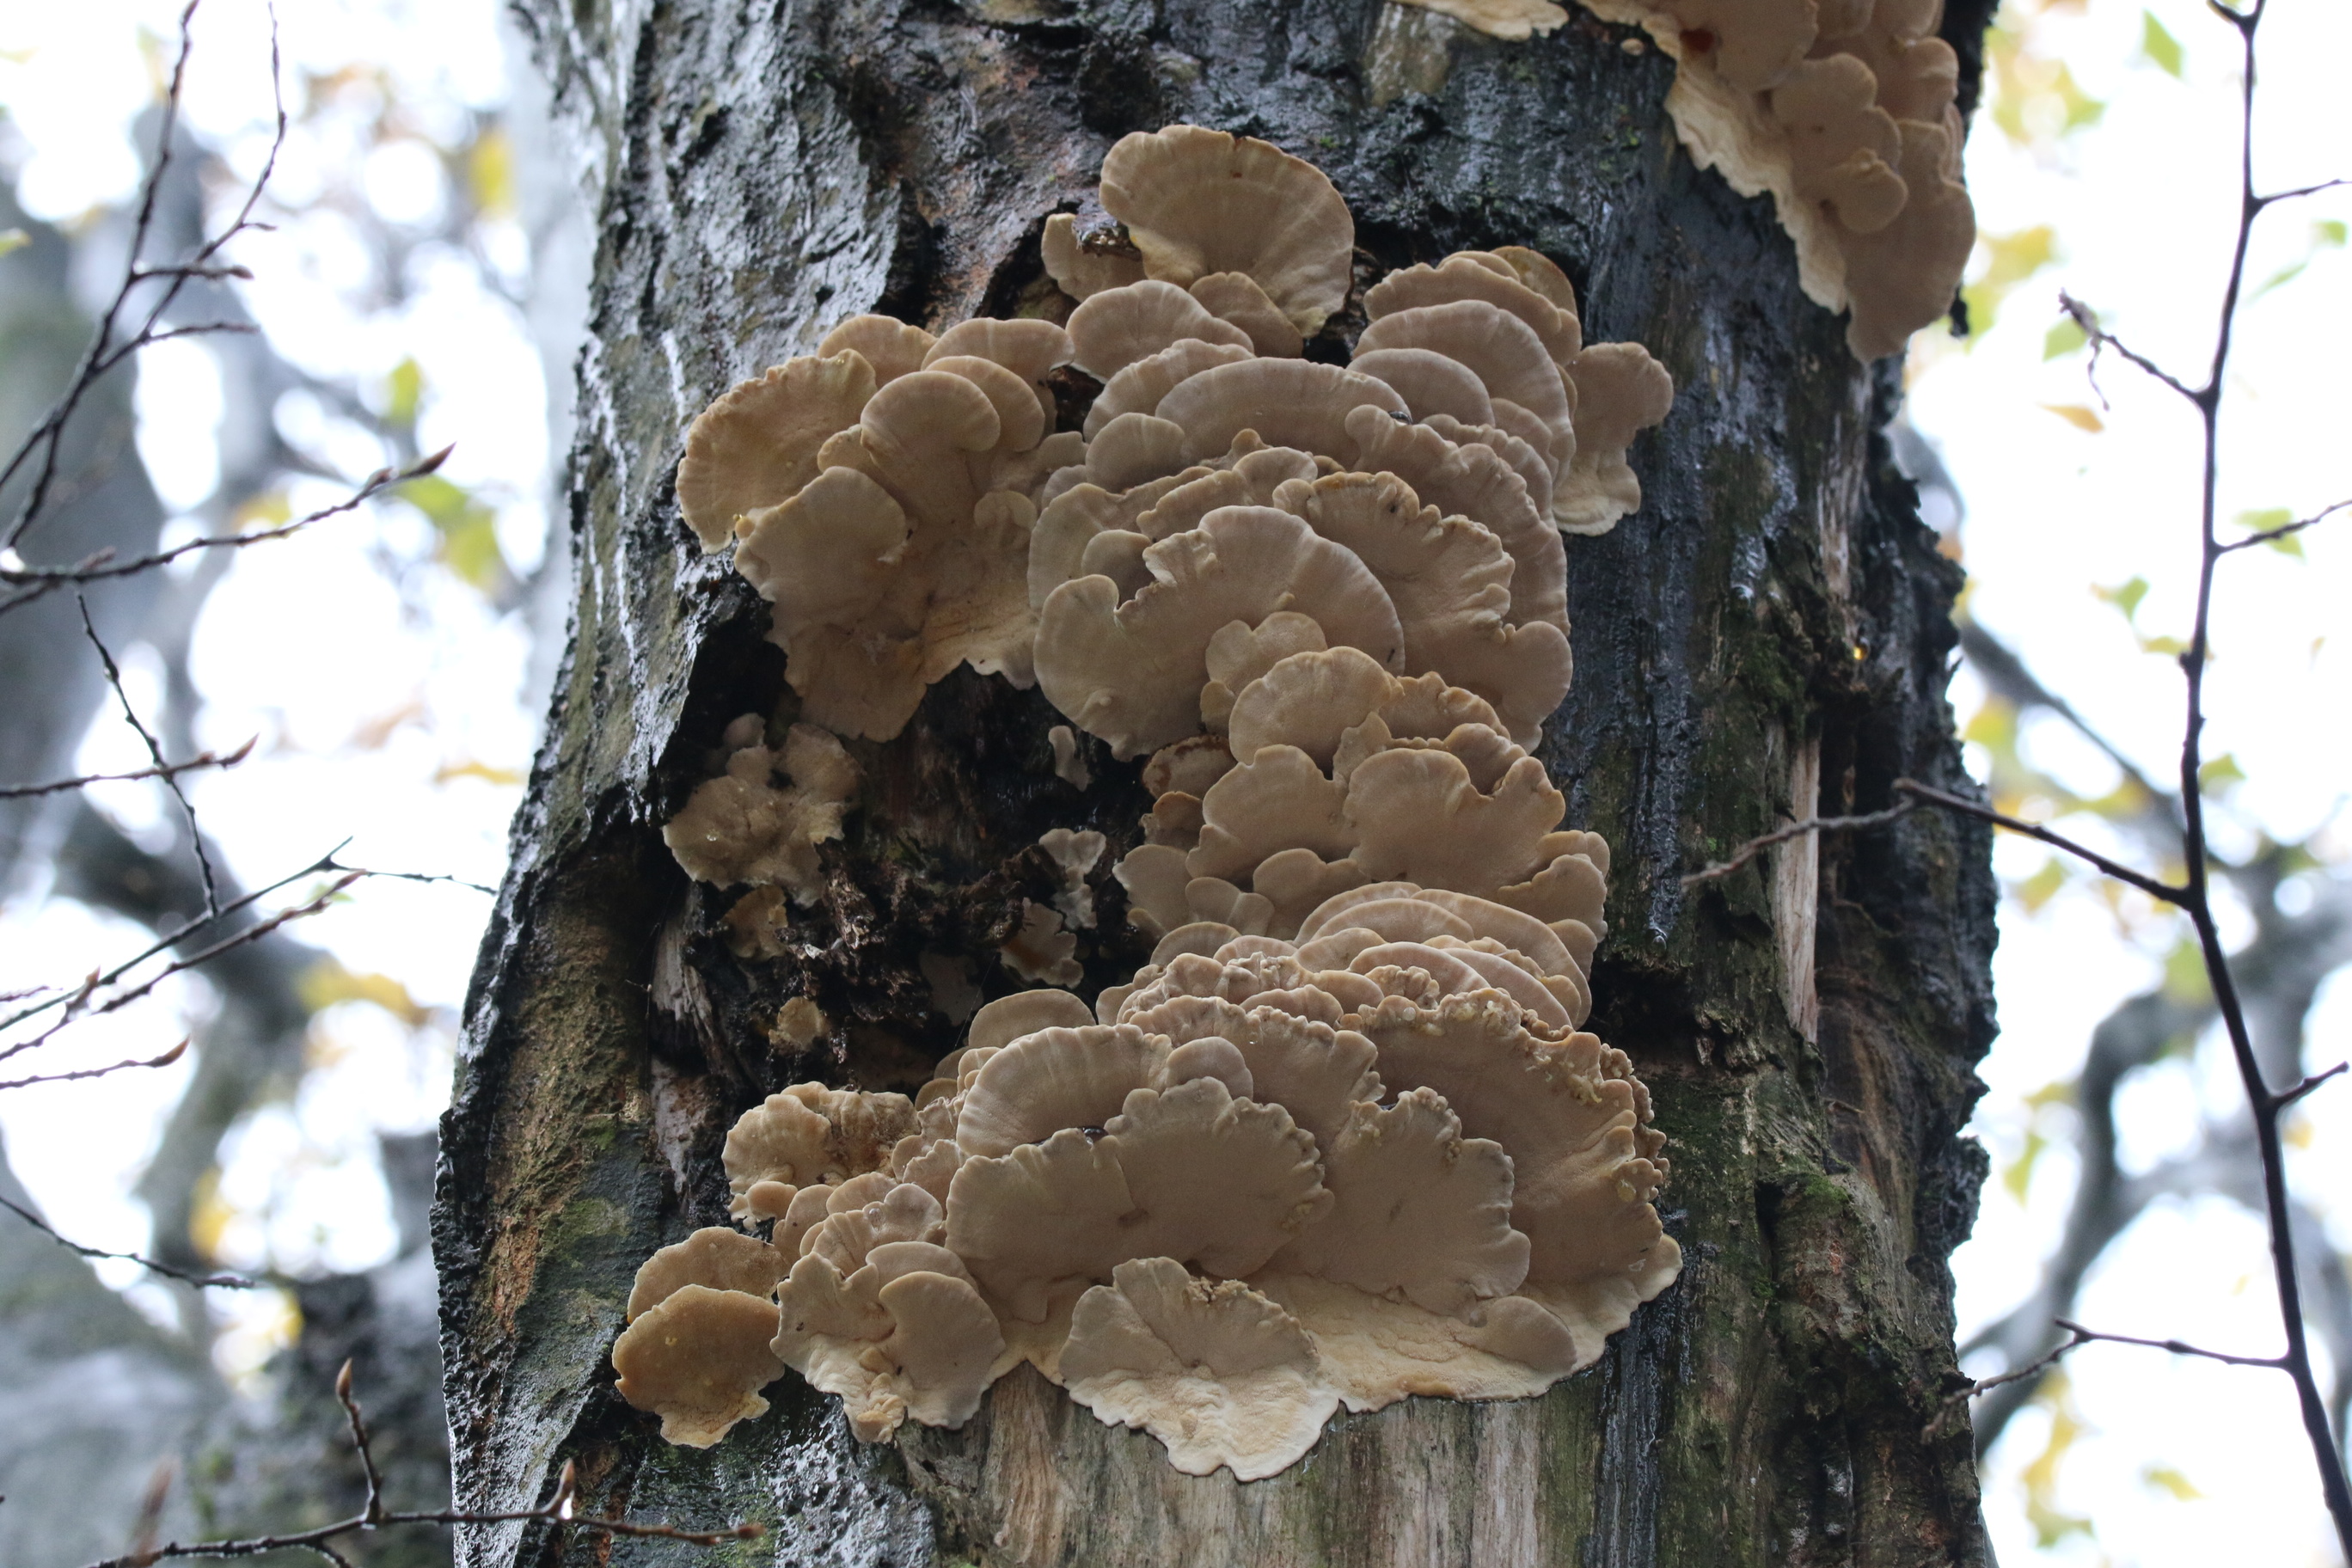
(1343, 1139)
(1843, 110)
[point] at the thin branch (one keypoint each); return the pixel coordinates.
(557, 1511)
(165, 771)
(2299, 191)
(2085, 1336)
(155, 754)
(2282, 531)
(100, 565)
(2285, 1100)
(1960, 1397)
(170, 939)
(166, 1059)
(201, 1281)
(2163, 892)
(360, 1442)
(2087, 319)
(78, 1006)
(1812, 825)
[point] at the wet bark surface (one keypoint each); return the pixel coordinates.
(1769, 634)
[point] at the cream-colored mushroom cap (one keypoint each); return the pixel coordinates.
(1752, 44)
(1119, 326)
(758, 445)
(1288, 402)
(1512, 20)
(1430, 383)
(1081, 273)
(1474, 482)
(810, 1134)
(1901, 278)
(1450, 580)
(1621, 391)
(1006, 1019)
(1197, 202)
(1467, 276)
(1188, 1172)
(715, 1255)
(892, 347)
(1053, 1078)
(1842, 145)
(1235, 297)
(1216, 1372)
(1131, 672)
(699, 1360)
(1029, 347)
(1137, 388)
(1504, 351)
(1418, 1209)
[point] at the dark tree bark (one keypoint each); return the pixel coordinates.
(1769, 634)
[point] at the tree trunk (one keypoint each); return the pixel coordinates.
(1768, 636)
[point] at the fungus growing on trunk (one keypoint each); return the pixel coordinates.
(1340, 1140)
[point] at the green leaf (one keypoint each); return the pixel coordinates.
(2043, 886)
(2329, 233)
(2123, 596)
(2067, 337)
(2279, 279)
(404, 391)
(2219, 773)
(2185, 980)
(2158, 47)
(467, 527)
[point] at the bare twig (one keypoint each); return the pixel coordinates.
(166, 1059)
(164, 771)
(1960, 1397)
(2087, 1336)
(155, 754)
(558, 1511)
(202, 1281)
(81, 1005)
(2193, 898)
(2163, 892)
(1812, 825)
(2284, 530)
(2088, 320)
(100, 565)
(2290, 1095)
(41, 447)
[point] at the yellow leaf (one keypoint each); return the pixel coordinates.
(13, 239)
(2080, 416)
(2017, 1176)
(504, 777)
(2043, 886)
(403, 392)
(2184, 979)
(2124, 596)
(2158, 47)
(209, 1216)
(490, 174)
(327, 982)
(2164, 1478)
(269, 509)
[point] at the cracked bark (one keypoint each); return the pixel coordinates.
(760, 172)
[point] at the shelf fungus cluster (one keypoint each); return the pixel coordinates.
(1843, 110)
(1343, 1139)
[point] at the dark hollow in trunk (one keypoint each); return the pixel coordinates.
(1769, 634)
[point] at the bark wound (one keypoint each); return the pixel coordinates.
(765, 171)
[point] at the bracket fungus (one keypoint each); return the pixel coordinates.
(1845, 110)
(1343, 1139)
